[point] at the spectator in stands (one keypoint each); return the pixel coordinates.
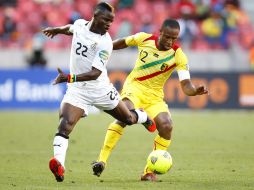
(202, 9)
(37, 57)
(214, 28)
(251, 56)
(185, 7)
(147, 24)
(8, 26)
(122, 4)
(74, 16)
(239, 25)
(232, 22)
(189, 29)
(125, 29)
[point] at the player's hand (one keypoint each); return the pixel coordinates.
(201, 90)
(61, 77)
(50, 32)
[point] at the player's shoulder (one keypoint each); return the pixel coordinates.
(81, 22)
(176, 47)
(107, 38)
(106, 41)
(143, 36)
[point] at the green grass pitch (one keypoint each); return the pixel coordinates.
(211, 150)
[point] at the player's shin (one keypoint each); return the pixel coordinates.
(60, 144)
(113, 135)
(159, 144)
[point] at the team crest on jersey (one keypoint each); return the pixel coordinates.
(104, 55)
(93, 46)
(163, 66)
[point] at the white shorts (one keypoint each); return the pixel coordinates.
(103, 99)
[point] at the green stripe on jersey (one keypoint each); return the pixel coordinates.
(154, 63)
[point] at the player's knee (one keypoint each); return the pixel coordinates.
(165, 129)
(169, 127)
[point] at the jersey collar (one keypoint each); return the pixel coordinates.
(155, 38)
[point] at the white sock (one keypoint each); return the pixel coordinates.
(60, 147)
(142, 116)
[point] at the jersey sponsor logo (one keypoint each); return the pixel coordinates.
(104, 55)
(93, 46)
(156, 55)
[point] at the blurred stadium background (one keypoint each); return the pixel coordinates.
(218, 38)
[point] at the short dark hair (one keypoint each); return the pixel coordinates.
(103, 6)
(172, 23)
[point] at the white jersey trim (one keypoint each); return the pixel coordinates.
(183, 74)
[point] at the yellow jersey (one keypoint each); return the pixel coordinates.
(153, 67)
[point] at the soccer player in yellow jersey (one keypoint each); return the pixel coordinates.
(158, 57)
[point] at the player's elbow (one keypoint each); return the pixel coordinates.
(94, 74)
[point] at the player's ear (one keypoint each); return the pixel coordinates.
(161, 30)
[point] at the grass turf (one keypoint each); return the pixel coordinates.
(211, 150)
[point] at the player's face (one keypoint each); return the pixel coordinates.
(168, 37)
(103, 20)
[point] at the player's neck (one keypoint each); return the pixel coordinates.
(160, 47)
(95, 29)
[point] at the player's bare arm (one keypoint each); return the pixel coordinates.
(189, 88)
(52, 31)
(63, 77)
(119, 44)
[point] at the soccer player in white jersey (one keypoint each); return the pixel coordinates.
(88, 82)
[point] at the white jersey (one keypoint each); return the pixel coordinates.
(89, 50)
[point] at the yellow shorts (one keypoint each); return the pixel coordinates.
(142, 98)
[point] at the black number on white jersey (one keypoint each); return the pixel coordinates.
(81, 49)
(113, 94)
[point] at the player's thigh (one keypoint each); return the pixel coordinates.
(154, 108)
(108, 99)
(121, 112)
(131, 96)
(78, 98)
(70, 113)
(128, 103)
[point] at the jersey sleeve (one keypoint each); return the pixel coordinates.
(102, 55)
(182, 66)
(136, 39)
(77, 24)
